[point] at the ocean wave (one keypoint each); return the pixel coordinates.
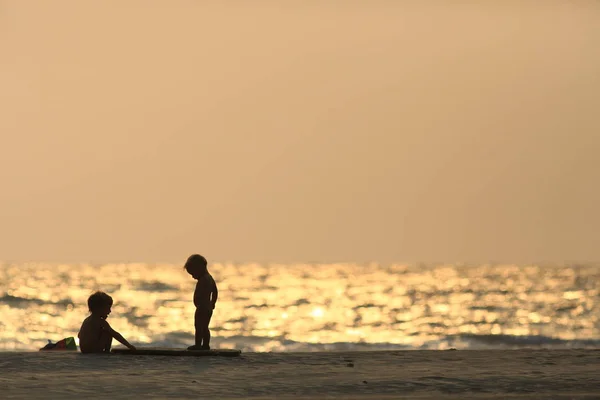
(458, 342)
(24, 302)
(515, 341)
(153, 286)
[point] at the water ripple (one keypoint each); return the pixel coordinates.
(306, 307)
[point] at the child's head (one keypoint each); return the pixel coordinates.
(100, 303)
(196, 265)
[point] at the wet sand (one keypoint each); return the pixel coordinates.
(548, 374)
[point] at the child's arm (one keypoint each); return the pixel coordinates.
(215, 294)
(117, 335)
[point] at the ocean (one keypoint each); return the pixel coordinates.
(312, 307)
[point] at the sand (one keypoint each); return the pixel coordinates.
(497, 374)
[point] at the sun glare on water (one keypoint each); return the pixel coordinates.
(279, 307)
(317, 312)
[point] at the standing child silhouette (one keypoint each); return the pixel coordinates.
(205, 299)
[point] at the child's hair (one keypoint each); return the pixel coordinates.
(98, 300)
(195, 260)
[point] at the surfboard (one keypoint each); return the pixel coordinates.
(165, 351)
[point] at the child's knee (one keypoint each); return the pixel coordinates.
(201, 323)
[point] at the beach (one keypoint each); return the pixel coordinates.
(427, 374)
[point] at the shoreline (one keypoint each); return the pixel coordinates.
(296, 352)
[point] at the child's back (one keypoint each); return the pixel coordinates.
(90, 335)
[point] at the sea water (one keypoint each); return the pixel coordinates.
(312, 307)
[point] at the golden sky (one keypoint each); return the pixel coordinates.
(299, 131)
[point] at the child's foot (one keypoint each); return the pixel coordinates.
(195, 347)
(207, 347)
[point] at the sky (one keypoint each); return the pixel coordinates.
(268, 131)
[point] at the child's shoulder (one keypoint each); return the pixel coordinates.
(88, 322)
(91, 320)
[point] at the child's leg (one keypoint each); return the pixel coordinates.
(206, 335)
(201, 325)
